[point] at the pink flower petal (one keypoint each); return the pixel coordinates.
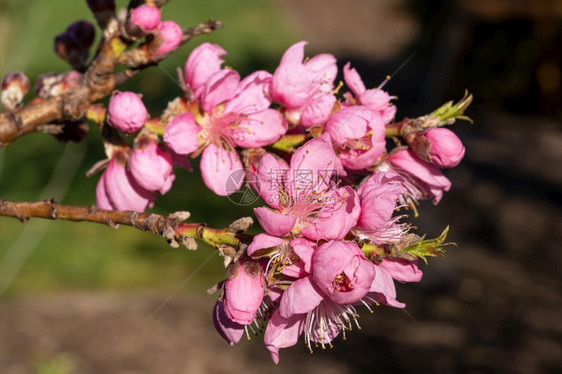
(282, 333)
(291, 85)
(252, 94)
(123, 192)
(304, 249)
(318, 111)
(260, 129)
(353, 80)
(426, 173)
(220, 87)
(323, 70)
(274, 223)
(217, 169)
(294, 54)
(269, 178)
(402, 270)
(262, 241)
(301, 297)
(181, 134)
(339, 218)
(203, 62)
(383, 289)
(102, 200)
(231, 331)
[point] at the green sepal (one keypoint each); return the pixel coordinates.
(428, 248)
(289, 143)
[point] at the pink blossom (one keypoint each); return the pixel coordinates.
(170, 34)
(320, 303)
(427, 177)
(151, 166)
(446, 150)
(305, 87)
(304, 196)
(359, 135)
(203, 62)
(243, 291)
(375, 99)
(146, 17)
(118, 190)
(342, 272)
(378, 195)
(126, 112)
(235, 113)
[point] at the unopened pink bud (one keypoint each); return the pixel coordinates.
(151, 167)
(171, 35)
(446, 149)
(243, 291)
(126, 112)
(146, 17)
(14, 88)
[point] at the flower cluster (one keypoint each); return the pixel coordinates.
(322, 164)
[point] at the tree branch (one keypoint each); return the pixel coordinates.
(227, 240)
(98, 81)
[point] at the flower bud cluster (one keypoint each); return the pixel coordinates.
(332, 240)
(328, 199)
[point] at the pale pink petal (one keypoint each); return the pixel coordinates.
(301, 297)
(294, 54)
(243, 291)
(349, 123)
(378, 201)
(379, 102)
(426, 173)
(304, 249)
(274, 223)
(203, 62)
(217, 169)
(313, 166)
(336, 258)
(252, 94)
(383, 289)
(262, 241)
(291, 85)
(220, 87)
(231, 331)
(102, 200)
(323, 70)
(123, 192)
(295, 271)
(181, 134)
(353, 80)
(269, 178)
(259, 129)
(335, 222)
(318, 111)
(402, 270)
(282, 333)
(152, 168)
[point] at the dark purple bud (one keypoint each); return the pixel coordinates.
(98, 6)
(83, 31)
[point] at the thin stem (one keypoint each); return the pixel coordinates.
(171, 227)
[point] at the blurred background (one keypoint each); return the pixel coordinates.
(81, 298)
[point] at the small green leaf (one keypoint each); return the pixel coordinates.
(448, 112)
(428, 248)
